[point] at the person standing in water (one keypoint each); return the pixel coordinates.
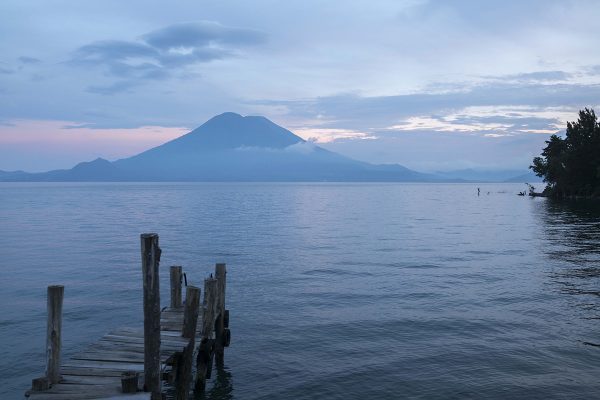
(478, 191)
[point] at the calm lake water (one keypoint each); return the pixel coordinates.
(338, 291)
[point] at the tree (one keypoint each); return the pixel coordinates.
(571, 166)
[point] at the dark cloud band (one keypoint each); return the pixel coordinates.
(162, 52)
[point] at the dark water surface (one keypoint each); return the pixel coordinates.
(342, 291)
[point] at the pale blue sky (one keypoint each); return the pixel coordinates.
(432, 85)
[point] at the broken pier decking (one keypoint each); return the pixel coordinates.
(131, 363)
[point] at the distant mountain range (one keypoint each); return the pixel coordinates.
(486, 175)
(230, 147)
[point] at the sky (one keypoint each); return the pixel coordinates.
(432, 85)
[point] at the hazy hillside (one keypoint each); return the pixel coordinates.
(230, 147)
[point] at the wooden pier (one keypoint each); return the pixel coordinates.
(133, 363)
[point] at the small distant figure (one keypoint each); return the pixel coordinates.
(478, 191)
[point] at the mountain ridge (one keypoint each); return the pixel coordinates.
(230, 147)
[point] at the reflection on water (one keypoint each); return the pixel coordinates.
(219, 386)
(571, 235)
(222, 388)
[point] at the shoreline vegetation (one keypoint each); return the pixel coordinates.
(531, 192)
(570, 166)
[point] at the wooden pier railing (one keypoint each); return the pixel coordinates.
(133, 363)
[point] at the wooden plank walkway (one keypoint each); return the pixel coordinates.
(95, 373)
(104, 370)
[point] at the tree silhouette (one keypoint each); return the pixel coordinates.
(571, 166)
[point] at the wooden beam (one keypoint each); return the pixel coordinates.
(220, 275)
(192, 310)
(150, 261)
(188, 331)
(205, 352)
(209, 307)
(54, 333)
(129, 382)
(40, 384)
(176, 278)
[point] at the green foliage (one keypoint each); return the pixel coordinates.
(571, 166)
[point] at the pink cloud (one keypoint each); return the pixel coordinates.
(38, 145)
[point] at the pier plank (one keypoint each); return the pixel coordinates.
(95, 372)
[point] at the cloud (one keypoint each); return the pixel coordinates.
(202, 34)
(593, 70)
(29, 60)
(432, 151)
(182, 56)
(447, 124)
(497, 135)
(23, 61)
(117, 87)
(326, 135)
(4, 69)
(301, 148)
(145, 70)
(159, 53)
(352, 111)
(489, 121)
(108, 51)
(492, 124)
(538, 76)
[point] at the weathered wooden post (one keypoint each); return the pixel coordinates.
(220, 328)
(54, 333)
(38, 385)
(176, 278)
(129, 382)
(209, 307)
(150, 261)
(191, 312)
(206, 348)
(188, 331)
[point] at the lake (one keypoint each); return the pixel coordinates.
(338, 291)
